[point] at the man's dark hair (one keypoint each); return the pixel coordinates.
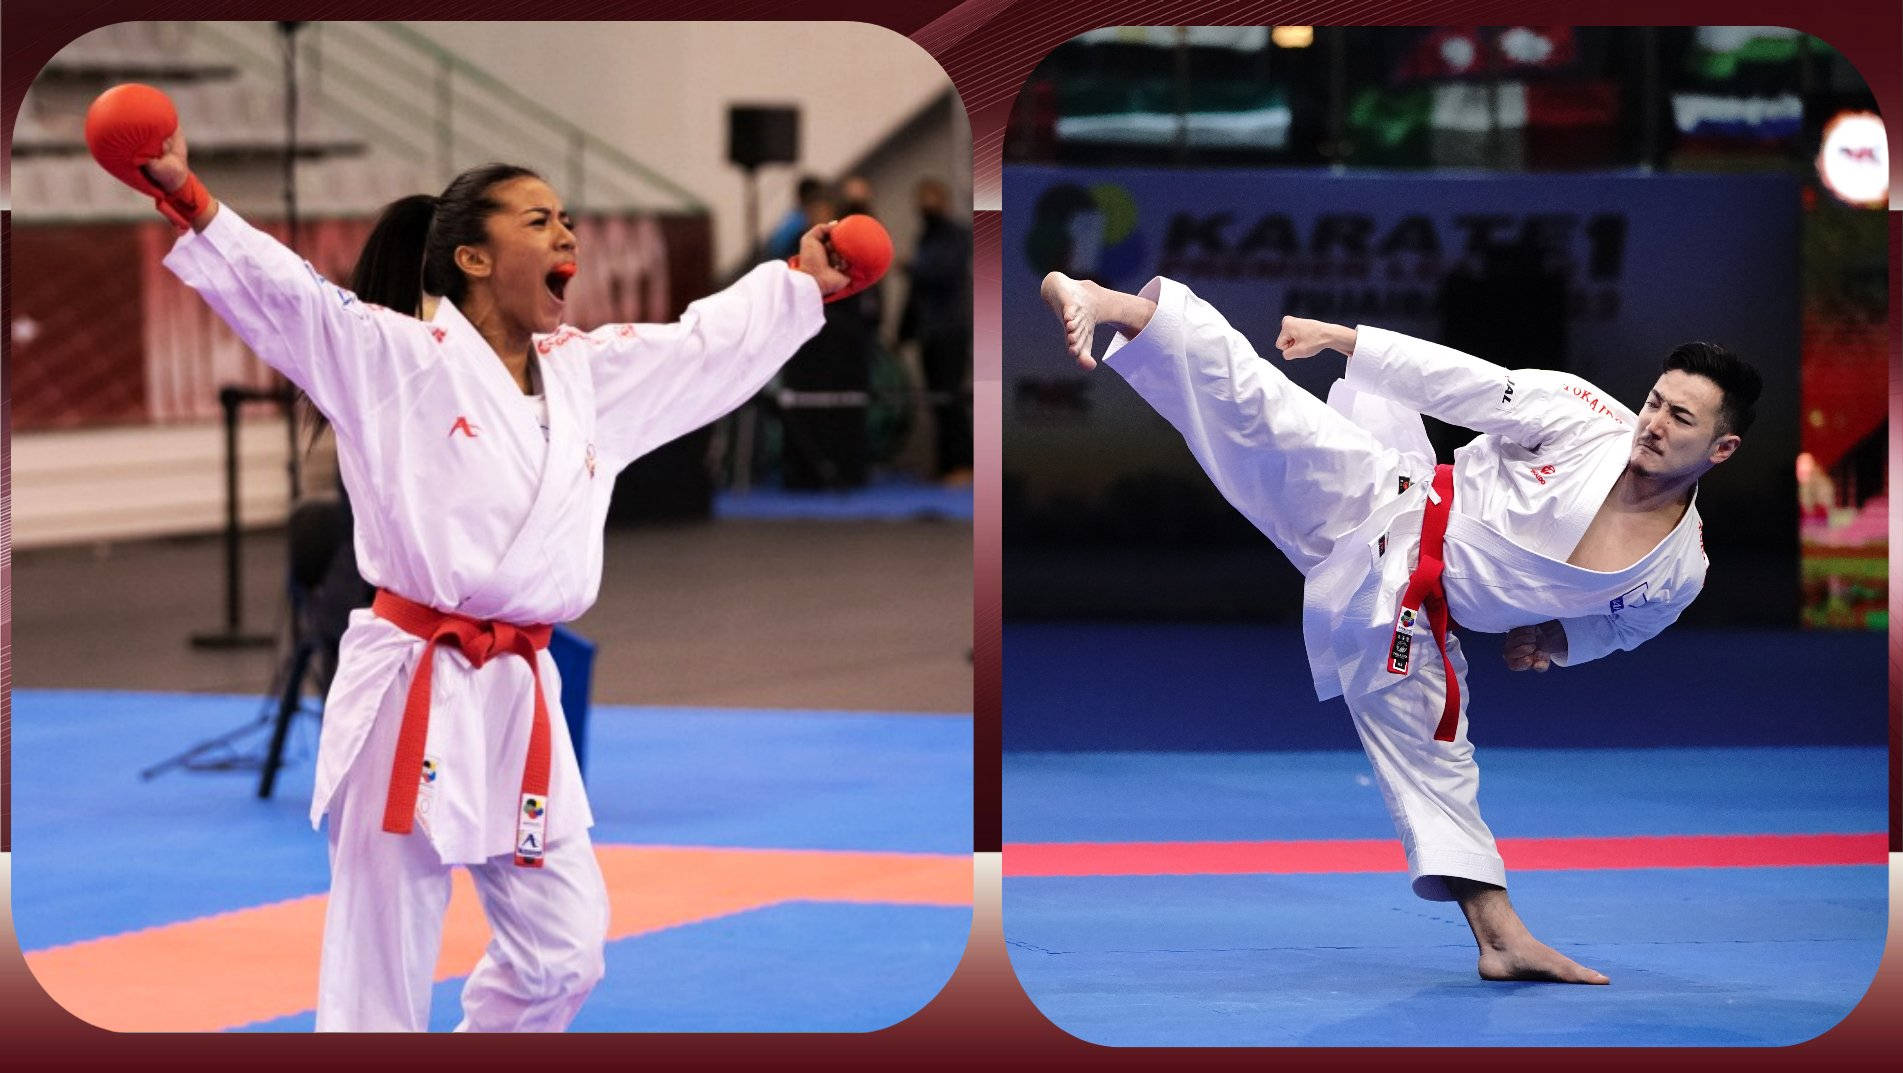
(1736, 380)
(811, 188)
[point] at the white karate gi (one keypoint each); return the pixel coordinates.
(1324, 483)
(464, 504)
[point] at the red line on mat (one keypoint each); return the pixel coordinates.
(1384, 855)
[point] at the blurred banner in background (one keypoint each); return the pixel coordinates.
(1572, 198)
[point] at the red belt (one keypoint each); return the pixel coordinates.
(1425, 594)
(479, 640)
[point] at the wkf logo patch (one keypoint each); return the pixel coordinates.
(531, 832)
(1630, 598)
(1407, 618)
(430, 769)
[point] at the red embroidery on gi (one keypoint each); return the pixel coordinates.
(1592, 401)
(1540, 473)
(463, 426)
(439, 333)
(625, 331)
(549, 342)
(591, 460)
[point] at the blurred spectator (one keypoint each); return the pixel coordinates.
(1816, 492)
(938, 316)
(855, 195)
(826, 441)
(815, 207)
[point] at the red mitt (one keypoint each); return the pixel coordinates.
(862, 243)
(126, 127)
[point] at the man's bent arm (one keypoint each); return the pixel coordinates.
(1527, 406)
(1592, 636)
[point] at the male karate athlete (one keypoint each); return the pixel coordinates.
(1570, 524)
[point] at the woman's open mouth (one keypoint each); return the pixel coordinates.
(557, 279)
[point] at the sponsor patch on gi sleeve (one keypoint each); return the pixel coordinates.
(1630, 598)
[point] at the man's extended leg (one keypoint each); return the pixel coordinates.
(1432, 790)
(1302, 473)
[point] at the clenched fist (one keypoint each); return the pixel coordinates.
(1303, 338)
(1534, 647)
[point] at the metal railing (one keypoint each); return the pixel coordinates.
(417, 101)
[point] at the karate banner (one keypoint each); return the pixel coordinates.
(1599, 275)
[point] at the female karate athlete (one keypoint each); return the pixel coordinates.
(478, 438)
(1570, 524)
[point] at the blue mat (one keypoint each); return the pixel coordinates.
(98, 852)
(1697, 956)
(882, 500)
(760, 971)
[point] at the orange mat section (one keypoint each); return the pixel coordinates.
(259, 963)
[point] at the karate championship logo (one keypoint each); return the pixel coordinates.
(532, 808)
(429, 769)
(1087, 232)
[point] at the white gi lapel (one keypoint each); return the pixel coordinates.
(559, 500)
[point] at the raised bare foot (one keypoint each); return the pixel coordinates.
(1530, 959)
(1074, 303)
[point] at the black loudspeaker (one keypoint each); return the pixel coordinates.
(763, 134)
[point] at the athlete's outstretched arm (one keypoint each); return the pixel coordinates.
(1528, 406)
(654, 382)
(1303, 338)
(346, 355)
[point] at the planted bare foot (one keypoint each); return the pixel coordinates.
(1531, 959)
(1074, 303)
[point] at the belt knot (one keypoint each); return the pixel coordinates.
(479, 640)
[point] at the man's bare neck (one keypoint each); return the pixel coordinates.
(1636, 516)
(1635, 493)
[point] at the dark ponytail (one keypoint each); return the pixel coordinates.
(412, 249)
(389, 271)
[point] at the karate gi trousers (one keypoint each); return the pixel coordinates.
(383, 927)
(1307, 477)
